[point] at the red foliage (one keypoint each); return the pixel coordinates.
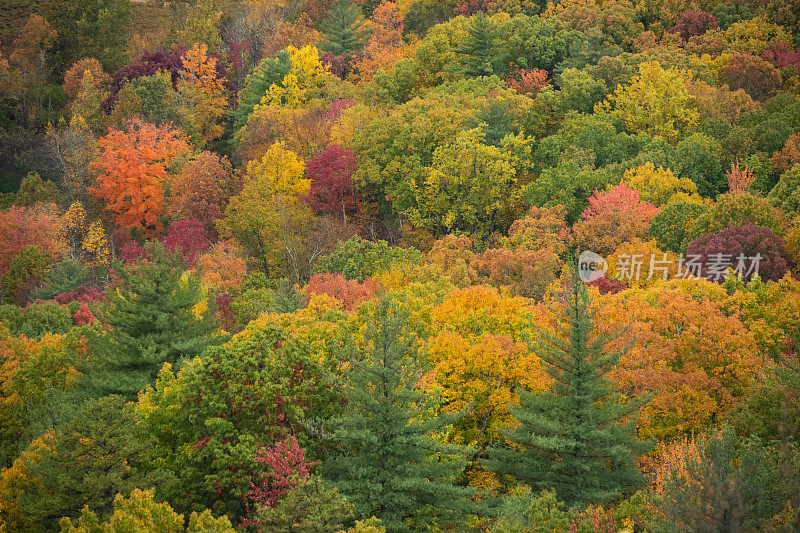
(131, 252)
(83, 315)
(529, 81)
(693, 23)
(21, 227)
(351, 293)
(82, 294)
(285, 464)
(619, 198)
(749, 240)
(607, 286)
(224, 311)
(470, 7)
(189, 236)
(756, 76)
(781, 55)
(336, 107)
(331, 189)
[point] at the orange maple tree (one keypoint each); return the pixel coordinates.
(134, 167)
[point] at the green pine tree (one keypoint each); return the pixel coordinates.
(152, 321)
(573, 438)
(479, 54)
(344, 31)
(386, 463)
(86, 462)
(287, 299)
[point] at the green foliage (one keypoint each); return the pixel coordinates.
(786, 193)
(344, 30)
(478, 53)
(525, 511)
(309, 506)
(743, 484)
(87, 462)
(153, 321)
(26, 269)
(386, 463)
(270, 71)
(238, 398)
(140, 512)
(771, 411)
(568, 184)
(38, 319)
(699, 158)
(64, 276)
(736, 209)
(359, 259)
(90, 28)
(672, 226)
(573, 438)
(32, 189)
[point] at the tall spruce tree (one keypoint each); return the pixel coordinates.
(573, 438)
(479, 55)
(385, 461)
(344, 31)
(153, 321)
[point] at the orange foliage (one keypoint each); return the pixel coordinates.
(385, 46)
(784, 159)
(133, 167)
(221, 267)
(74, 76)
(526, 272)
(350, 292)
(696, 359)
(740, 178)
(25, 226)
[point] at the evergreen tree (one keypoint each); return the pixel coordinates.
(479, 54)
(573, 438)
(86, 462)
(386, 463)
(153, 321)
(344, 31)
(287, 299)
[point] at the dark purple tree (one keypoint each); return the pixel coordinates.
(749, 241)
(338, 65)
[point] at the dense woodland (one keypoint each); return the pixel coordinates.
(309, 266)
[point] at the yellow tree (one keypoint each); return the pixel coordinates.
(305, 73)
(278, 171)
(204, 91)
(660, 186)
(480, 364)
(656, 101)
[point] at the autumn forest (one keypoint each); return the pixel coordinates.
(378, 266)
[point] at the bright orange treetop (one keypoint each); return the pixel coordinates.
(133, 167)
